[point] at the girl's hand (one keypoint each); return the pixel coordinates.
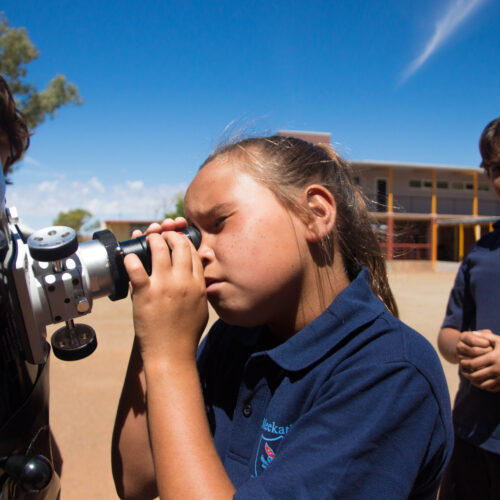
(472, 344)
(483, 371)
(170, 306)
(167, 225)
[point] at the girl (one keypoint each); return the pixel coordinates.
(307, 386)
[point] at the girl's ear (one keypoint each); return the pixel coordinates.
(322, 212)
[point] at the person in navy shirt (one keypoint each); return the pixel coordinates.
(308, 386)
(469, 337)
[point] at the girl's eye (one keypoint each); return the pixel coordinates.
(219, 221)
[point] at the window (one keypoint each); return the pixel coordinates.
(427, 184)
(415, 183)
(483, 187)
(469, 185)
(457, 185)
(357, 181)
(442, 184)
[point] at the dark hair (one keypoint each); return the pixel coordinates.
(489, 144)
(286, 165)
(12, 124)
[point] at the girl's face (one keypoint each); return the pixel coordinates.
(253, 249)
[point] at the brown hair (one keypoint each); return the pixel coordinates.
(13, 124)
(286, 165)
(489, 144)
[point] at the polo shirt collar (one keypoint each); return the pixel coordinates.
(355, 306)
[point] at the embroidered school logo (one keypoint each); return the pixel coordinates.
(270, 441)
(266, 452)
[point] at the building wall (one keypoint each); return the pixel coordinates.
(122, 229)
(412, 191)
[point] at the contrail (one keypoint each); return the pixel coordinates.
(457, 12)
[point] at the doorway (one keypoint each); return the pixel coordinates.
(381, 195)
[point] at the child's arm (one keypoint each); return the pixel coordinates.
(132, 459)
(131, 455)
(447, 343)
(170, 312)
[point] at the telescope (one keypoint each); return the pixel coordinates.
(48, 278)
(57, 279)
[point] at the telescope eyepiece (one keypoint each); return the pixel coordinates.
(139, 246)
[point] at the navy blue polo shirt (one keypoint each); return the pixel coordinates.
(474, 304)
(354, 406)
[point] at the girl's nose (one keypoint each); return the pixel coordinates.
(205, 251)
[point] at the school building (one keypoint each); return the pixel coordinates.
(427, 212)
(422, 211)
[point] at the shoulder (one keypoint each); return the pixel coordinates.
(403, 343)
(393, 374)
(388, 339)
(397, 348)
(490, 242)
(481, 260)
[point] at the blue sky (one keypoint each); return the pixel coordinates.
(162, 81)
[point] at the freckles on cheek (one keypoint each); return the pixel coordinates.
(230, 248)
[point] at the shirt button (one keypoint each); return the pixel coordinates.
(247, 410)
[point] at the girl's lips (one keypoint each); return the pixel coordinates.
(211, 283)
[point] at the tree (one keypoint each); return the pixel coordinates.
(78, 219)
(179, 208)
(16, 51)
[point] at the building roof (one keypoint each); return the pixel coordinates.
(441, 219)
(415, 166)
(325, 137)
(314, 137)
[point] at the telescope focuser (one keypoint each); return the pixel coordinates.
(57, 280)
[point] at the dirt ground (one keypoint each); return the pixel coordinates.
(84, 394)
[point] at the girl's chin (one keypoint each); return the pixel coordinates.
(233, 316)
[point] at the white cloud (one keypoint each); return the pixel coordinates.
(30, 161)
(135, 185)
(47, 186)
(39, 204)
(94, 183)
(458, 11)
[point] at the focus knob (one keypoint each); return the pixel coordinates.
(53, 243)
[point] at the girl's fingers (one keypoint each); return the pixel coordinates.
(465, 351)
(135, 270)
(486, 335)
(491, 385)
(477, 377)
(160, 253)
(173, 225)
(181, 250)
(153, 228)
(475, 339)
(171, 253)
(197, 264)
(470, 365)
